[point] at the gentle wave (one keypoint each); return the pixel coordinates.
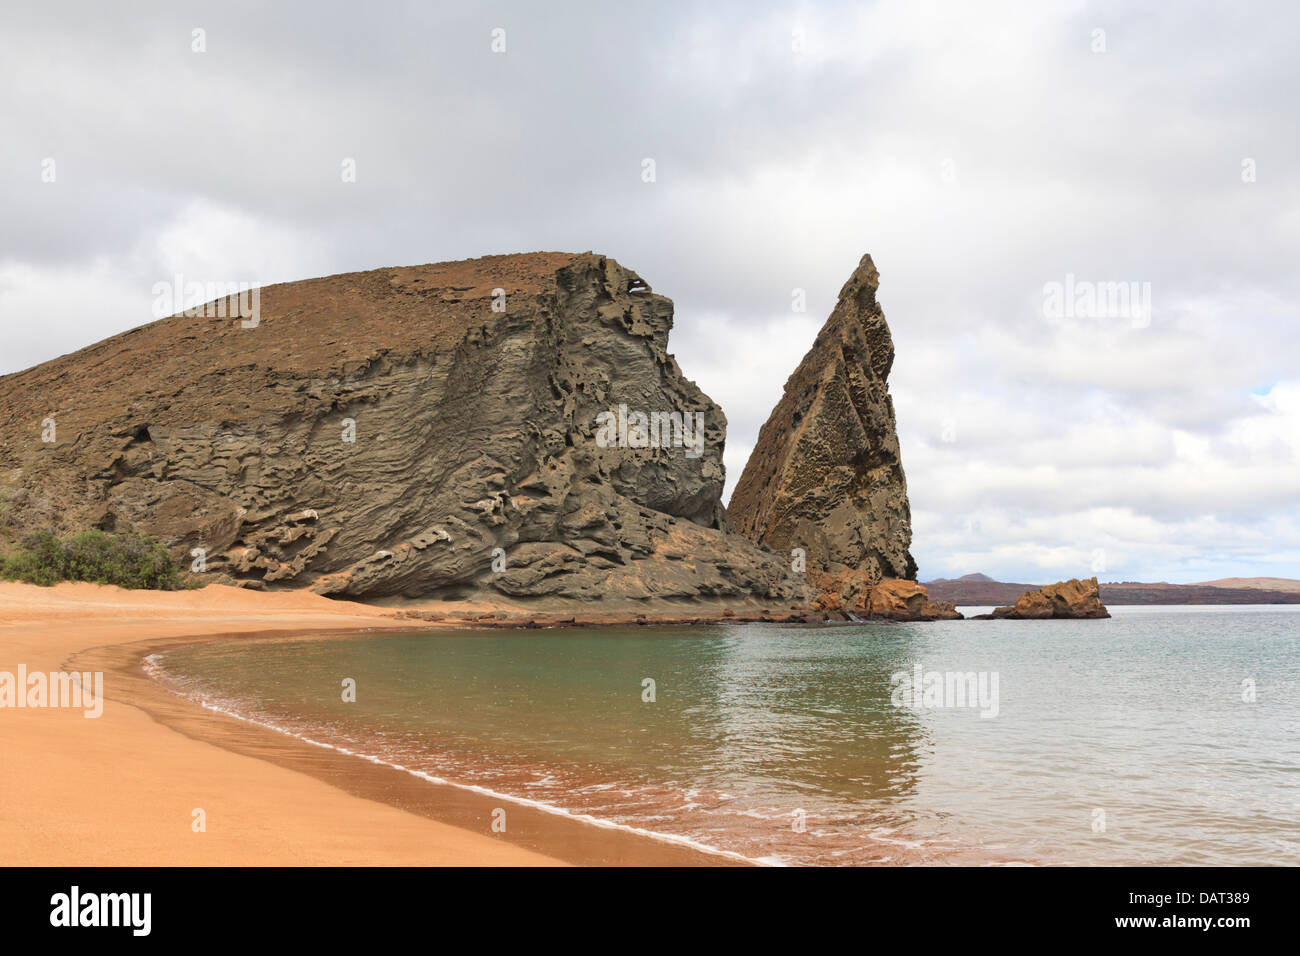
(154, 668)
(708, 812)
(1153, 738)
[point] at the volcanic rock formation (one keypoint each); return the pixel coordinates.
(825, 475)
(892, 599)
(1064, 599)
(381, 434)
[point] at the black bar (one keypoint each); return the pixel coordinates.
(982, 906)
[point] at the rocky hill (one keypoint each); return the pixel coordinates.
(1255, 584)
(444, 431)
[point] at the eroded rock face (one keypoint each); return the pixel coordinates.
(380, 434)
(1065, 599)
(825, 474)
(892, 599)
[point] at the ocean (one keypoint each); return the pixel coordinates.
(1165, 735)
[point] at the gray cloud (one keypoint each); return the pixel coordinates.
(977, 152)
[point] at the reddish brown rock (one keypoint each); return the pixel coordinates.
(899, 600)
(892, 599)
(1065, 599)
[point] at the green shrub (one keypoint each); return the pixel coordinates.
(126, 560)
(38, 560)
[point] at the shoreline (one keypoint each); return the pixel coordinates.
(550, 831)
(122, 789)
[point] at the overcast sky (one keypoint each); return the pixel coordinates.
(979, 152)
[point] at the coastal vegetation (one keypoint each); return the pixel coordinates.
(126, 560)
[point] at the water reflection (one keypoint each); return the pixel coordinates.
(1139, 716)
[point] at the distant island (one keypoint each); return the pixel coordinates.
(982, 590)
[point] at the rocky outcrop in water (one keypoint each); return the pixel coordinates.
(1065, 599)
(825, 474)
(512, 426)
(891, 599)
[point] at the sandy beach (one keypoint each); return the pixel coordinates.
(122, 789)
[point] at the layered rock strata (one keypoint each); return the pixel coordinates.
(511, 426)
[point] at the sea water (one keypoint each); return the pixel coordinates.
(1165, 735)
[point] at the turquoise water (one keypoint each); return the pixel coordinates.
(1125, 741)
